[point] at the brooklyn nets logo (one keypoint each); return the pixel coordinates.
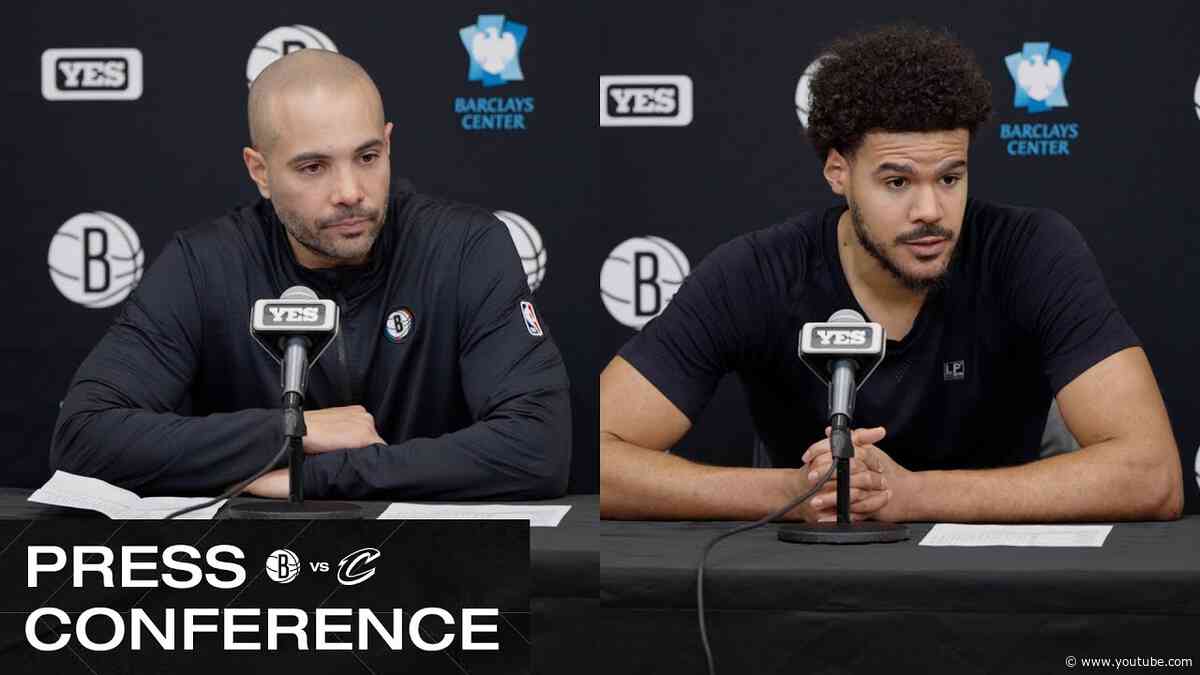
(529, 247)
(95, 259)
(283, 41)
(283, 566)
(399, 324)
(804, 93)
(640, 277)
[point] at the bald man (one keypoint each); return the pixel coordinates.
(443, 382)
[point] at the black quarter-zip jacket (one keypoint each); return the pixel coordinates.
(177, 398)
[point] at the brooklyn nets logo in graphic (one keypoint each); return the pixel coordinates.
(95, 259)
(281, 42)
(640, 277)
(283, 566)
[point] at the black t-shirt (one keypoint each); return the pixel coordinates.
(1025, 311)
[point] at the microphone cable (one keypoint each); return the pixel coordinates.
(236, 489)
(742, 528)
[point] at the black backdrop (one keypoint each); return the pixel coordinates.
(171, 158)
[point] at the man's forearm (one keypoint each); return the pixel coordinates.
(520, 452)
(163, 453)
(1097, 483)
(641, 484)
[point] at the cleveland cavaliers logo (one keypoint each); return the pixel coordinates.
(399, 324)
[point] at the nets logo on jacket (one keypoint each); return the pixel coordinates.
(398, 325)
(640, 277)
(92, 74)
(280, 42)
(95, 259)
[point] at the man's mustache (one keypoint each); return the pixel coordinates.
(926, 230)
(372, 215)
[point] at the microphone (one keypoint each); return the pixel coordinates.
(842, 352)
(837, 351)
(295, 330)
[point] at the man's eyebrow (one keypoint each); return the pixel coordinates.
(312, 156)
(907, 170)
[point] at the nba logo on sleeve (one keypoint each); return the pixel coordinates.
(531, 320)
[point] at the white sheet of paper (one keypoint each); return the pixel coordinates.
(538, 515)
(956, 534)
(81, 492)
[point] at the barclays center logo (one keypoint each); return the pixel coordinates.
(1039, 75)
(493, 45)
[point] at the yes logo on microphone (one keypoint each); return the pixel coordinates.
(277, 313)
(836, 338)
(842, 338)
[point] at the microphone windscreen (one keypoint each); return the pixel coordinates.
(306, 293)
(840, 316)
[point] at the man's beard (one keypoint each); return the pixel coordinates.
(913, 283)
(308, 233)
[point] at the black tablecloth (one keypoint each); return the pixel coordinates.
(780, 607)
(564, 571)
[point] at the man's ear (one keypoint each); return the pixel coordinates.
(837, 172)
(256, 165)
(387, 139)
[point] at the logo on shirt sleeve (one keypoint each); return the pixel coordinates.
(531, 319)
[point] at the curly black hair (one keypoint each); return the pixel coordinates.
(894, 78)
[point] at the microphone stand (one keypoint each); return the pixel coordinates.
(844, 531)
(294, 430)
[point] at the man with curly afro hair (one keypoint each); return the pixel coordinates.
(991, 312)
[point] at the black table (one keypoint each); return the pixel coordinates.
(564, 572)
(775, 607)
